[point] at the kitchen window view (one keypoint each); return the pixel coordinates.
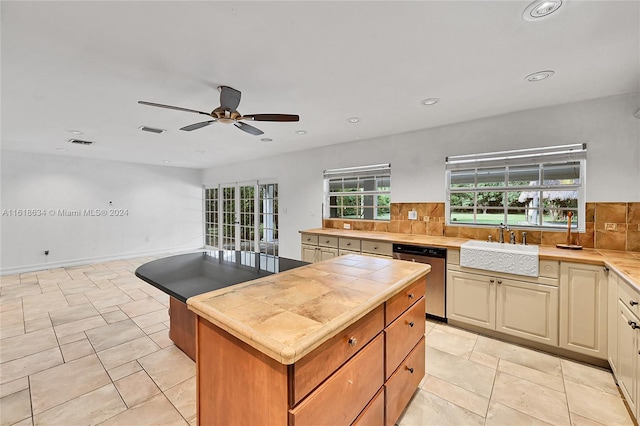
(362, 192)
(242, 217)
(534, 188)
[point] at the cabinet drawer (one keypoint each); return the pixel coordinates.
(340, 399)
(402, 385)
(327, 241)
(377, 247)
(402, 335)
(628, 296)
(311, 370)
(309, 239)
(549, 268)
(401, 301)
(373, 414)
(453, 257)
(349, 244)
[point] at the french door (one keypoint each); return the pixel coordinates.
(242, 216)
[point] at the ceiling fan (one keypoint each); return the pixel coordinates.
(227, 113)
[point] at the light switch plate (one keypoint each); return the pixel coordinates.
(346, 225)
(610, 226)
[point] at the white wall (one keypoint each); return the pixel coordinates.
(417, 159)
(164, 210)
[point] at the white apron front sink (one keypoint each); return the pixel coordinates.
(500, 257)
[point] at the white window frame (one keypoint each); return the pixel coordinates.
(375, 171)
(534, 157)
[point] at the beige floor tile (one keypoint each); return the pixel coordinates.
(152, 318)
(14, 386)
(66, 382)
(137, 388)
(168, 367)
(457, 331)
(109, 309)
(35, 306)
(76, 350)
(428, 409)
(25, 422)
(501, 415)
(11, 317)
(537, 401)
(154, 328)
(546, 363)
(129, 351)
(115, 316)
(79, 286)
(141, 307)
(30, 364)
(124, 370)
(37, 324)
(183, 397)
(10, 305)
(16, 291)
(15, 407)
(71, 338)
(79, 326)
(11, 331)
(596, 405)
(577, 420)
(162, 338)
(461, 397)
(89, 409)
(156, 411)
(451, 343)
(590, 376)
(136, 294)
(118, 300)
(71, 314)
(532, 375)
(460, 372)
(484, 359)
(114, 334)
(77, 299)
(27, 344)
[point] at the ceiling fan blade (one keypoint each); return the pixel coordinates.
(172, 107)
(229, 98)
(197, 125)
(271, 117)
(247, 128)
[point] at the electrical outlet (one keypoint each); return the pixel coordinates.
(413, 215)
(610, 226)
(426, 218)
(346, 225)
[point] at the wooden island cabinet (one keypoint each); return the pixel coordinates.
(355, 354)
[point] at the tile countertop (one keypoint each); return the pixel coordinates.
(289, 314)
(626, 264)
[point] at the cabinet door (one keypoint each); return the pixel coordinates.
(527, 310)
(627, 345)
(309, 253)
(471, 298)
(612, 324)
(583, 309)
(327, 253)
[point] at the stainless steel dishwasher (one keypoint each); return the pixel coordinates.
(436, 279)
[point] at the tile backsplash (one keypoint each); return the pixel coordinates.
(610, 226)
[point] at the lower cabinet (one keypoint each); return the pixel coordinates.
(519, 308)
(583, 313)
(316, 248)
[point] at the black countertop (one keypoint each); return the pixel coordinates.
(186, 275)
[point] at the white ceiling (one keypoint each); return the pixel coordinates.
(84, 65)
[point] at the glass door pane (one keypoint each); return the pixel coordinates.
(247, 223)
(229, 218)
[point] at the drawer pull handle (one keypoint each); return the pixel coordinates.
(499, 281)
(353, 341)
(348, 244)
(633, 324)
(492, 280)
(633, 302)
(411, 324)
(410, 295)
(326, 242)
(410, 369)
(375, 247)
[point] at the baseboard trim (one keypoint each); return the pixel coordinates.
(89, 260)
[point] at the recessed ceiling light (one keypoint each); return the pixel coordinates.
(541, 9)
(75, 132)
(200, 151)
(539, 76)
(266, 139)
(165, 161)
(61, 149)
(301, 132)
(353, 120)
(430, 101)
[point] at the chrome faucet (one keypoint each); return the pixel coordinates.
(524, 238)
(512, 238)
(502, 228)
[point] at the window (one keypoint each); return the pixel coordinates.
(358, 193)
(525, 188)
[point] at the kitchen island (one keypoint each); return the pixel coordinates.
(335, 342)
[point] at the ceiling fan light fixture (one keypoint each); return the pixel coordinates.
(541, 9)
(539, 76)
(75, 132)
(430, 101)
(353, 120)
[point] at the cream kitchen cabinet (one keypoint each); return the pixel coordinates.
(315, 248)
(499, 302)
(612, 321)
(583, 309)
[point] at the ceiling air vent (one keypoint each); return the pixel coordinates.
(151, 129)
(81, 142)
